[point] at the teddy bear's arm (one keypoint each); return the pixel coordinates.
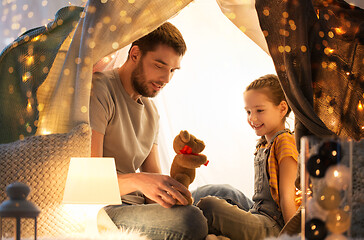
(190, 161)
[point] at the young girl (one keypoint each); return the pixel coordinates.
(275, 166)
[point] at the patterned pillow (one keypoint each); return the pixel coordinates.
(42, 162)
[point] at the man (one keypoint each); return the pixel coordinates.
(124, 124)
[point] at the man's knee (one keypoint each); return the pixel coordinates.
(193, 221)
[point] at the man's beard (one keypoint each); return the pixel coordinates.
(139, 82)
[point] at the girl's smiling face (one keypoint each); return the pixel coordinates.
(262, 115)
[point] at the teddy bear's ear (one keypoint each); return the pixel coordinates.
(185, 136)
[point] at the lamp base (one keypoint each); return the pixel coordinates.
(86, 214)
(91, 228)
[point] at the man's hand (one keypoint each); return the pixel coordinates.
(161, 189)
(158, 188)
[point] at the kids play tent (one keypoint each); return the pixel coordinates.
(316, 48)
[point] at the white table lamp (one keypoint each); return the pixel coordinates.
(91, 183)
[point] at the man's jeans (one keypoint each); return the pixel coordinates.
(223, 191)
(159, 223)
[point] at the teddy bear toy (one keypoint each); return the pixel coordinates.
(188, 158)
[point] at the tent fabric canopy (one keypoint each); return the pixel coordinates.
(319, 68)
(317, 49)
(24, 65)
(62, 100)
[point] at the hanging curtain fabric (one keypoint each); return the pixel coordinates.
(242, 14)
(24, 65)
(317, 50)
(46, 73)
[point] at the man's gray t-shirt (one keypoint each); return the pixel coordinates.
(130, 128)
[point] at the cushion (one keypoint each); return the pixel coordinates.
(42, 162)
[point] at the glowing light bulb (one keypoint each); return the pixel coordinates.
(106, 59)
(328, 198)
(26, 76)
(318, 13)
(29, 60)
(338, 221)
(29, 106)
(338, 176)
(360, 106)
(339, 31)
(46, 132)
(328, 51)
(36, 38)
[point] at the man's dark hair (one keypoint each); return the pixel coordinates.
(166, 34)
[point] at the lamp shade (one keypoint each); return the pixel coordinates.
(92, 181)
